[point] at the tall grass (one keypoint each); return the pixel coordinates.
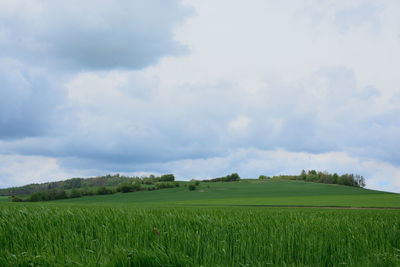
(73, 236)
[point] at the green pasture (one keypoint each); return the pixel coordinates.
(250, 192)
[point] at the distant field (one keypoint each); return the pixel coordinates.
(288, 193)
(3, 198)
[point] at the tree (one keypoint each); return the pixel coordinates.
(75, 193)
(360, 180)
(129, 187)
(192, 187)
(303, 175)
(104, 191)
(232, 177)
(167, 178)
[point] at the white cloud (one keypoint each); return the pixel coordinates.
(239, 125)
(19, 170)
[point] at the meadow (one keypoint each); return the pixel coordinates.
(249, 192)
(219, 224)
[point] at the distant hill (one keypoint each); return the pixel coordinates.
(249, 192)
(117, 180)
(107, 180)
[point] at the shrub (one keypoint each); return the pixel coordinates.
(192, 187)
(104, 191)
(162, 185)
(229, 178)
(129, 187)
(167, 178)
(87, 192)
(16, 199)
(75, 193)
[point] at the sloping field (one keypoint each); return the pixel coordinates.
(251, 192)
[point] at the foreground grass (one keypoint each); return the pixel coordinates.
(67, 236)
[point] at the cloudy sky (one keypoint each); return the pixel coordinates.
(199, 88)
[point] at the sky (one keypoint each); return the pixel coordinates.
(199, 88)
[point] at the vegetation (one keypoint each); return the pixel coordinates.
(96, 236)
(229, 178)
(221, 224)
(249, 193)
(323, 177)
(129, 187)
(80, 183)
(56, 194)
(192, 187)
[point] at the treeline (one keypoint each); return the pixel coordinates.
(55, 194)
(100, 181)
(229, 178)
(323, 177)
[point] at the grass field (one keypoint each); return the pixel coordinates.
(288, 193)
(73, 236)
(219, 224)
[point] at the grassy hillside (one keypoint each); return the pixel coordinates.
(251, 192)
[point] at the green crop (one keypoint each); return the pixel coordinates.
(97, 236)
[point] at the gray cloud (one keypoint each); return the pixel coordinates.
(88, 35)
(28, 101)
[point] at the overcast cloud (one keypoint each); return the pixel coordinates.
(199, 89)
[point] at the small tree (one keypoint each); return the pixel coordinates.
(16, 199)
(192, 187)
(75, 193)
(104, 191)
(167, 178)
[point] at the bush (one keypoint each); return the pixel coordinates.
(229, 178)
(129, 187)
(167, 178)
(87, 192)
(192, 187)
(75, 193)
(162, 185)
(104, 191)
(16, 199)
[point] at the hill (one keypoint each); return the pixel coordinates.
(77, 183)
(249, 192)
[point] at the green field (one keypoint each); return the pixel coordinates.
(3, 198)
(219, 224)
(251, 192)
